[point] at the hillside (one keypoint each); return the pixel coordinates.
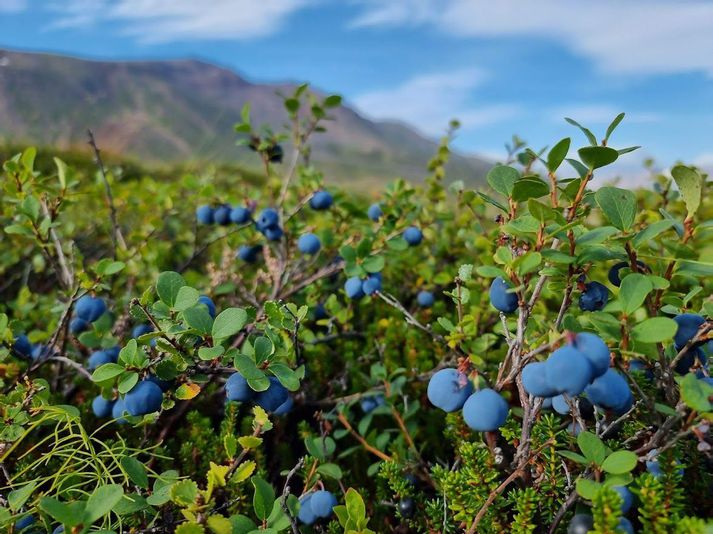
(167, 112)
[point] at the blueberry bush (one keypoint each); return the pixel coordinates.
(225, 353)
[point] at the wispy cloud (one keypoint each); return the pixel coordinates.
(637, 36)
(155, 21)
(429, 101)
(12, 6)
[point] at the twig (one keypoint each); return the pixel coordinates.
(286, 493)
(66, 276)
(117, 237)
(360, 439)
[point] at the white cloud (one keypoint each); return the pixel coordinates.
(601, 114)
(636, 36)
(429, 101)
(172, 20)
(12, 6)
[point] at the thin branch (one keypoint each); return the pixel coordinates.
(117, 237)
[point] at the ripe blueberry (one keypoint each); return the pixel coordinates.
(485, 410)
(448, 389)
(308, 244)
(501, 298)
(321, 200)
(413, 236)
(145, 397)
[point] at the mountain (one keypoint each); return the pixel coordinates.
(165, 112)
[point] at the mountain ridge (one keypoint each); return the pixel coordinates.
(178, 110)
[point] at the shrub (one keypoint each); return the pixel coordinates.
(288, 389)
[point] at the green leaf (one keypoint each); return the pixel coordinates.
(184, 492)
(556, 156)
(529, 187)
(574, 457)
(168, 285)
(107, 371)
(592, 447)
(696, 393)
(587, 488)
(61, 172)
(586, 131)
(540, 211)
(613, 125)
(255, 377)
(355, 505)
(186, 298)
(229, 322)
(373, 264)
(332, 101)
(620, 462)
(69, 514)
(210, 353)
(199, 319)
(595, 157)
(285, 375)
(30, 206)
(618, 205)
(651, 231)
(263, 499)
(135, 471)
(502, 179)
(689, 182)
(101, 501)
(330, 470)
(654, 330)
(264, 348)
(219, 524)
(528, 263)
(190, 527)
(127, 382)
(633, 291)
(17, 498)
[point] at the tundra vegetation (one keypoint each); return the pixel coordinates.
(211, 354)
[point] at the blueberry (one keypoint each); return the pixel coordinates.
(501, 298)
(140, 330)
(102, 407)
(485, 410)
(353, 288)
(275, 154)
(237, 388)
(372, 284)
(25, 522)
(448, 389)
(267, 218)
(595, 350)
(535, 382)
(163, 384)
(407, 507)
(99, 358)
(249, 253)
(273, 397)
(559, 404)
(306, 515)
(626, 496)
(273, 233)
(688, 325)
(594, 297)
(413, 236)
(580, 524)
(204, 215)
(204, 299)
(374, 212)
(610, 391)
(145, 397)
(425, 299)
(322, 503)
(308, 244)
(118, 410)
(77, 326)
(614, 271)
(369, 404)
(89, 308)
(625, 525)
(22, 346)
(320, 312)
(321, 200)
(568, 371)
(285, 407)
(240, 215)
(221, 215)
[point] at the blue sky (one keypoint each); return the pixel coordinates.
(512, 66)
